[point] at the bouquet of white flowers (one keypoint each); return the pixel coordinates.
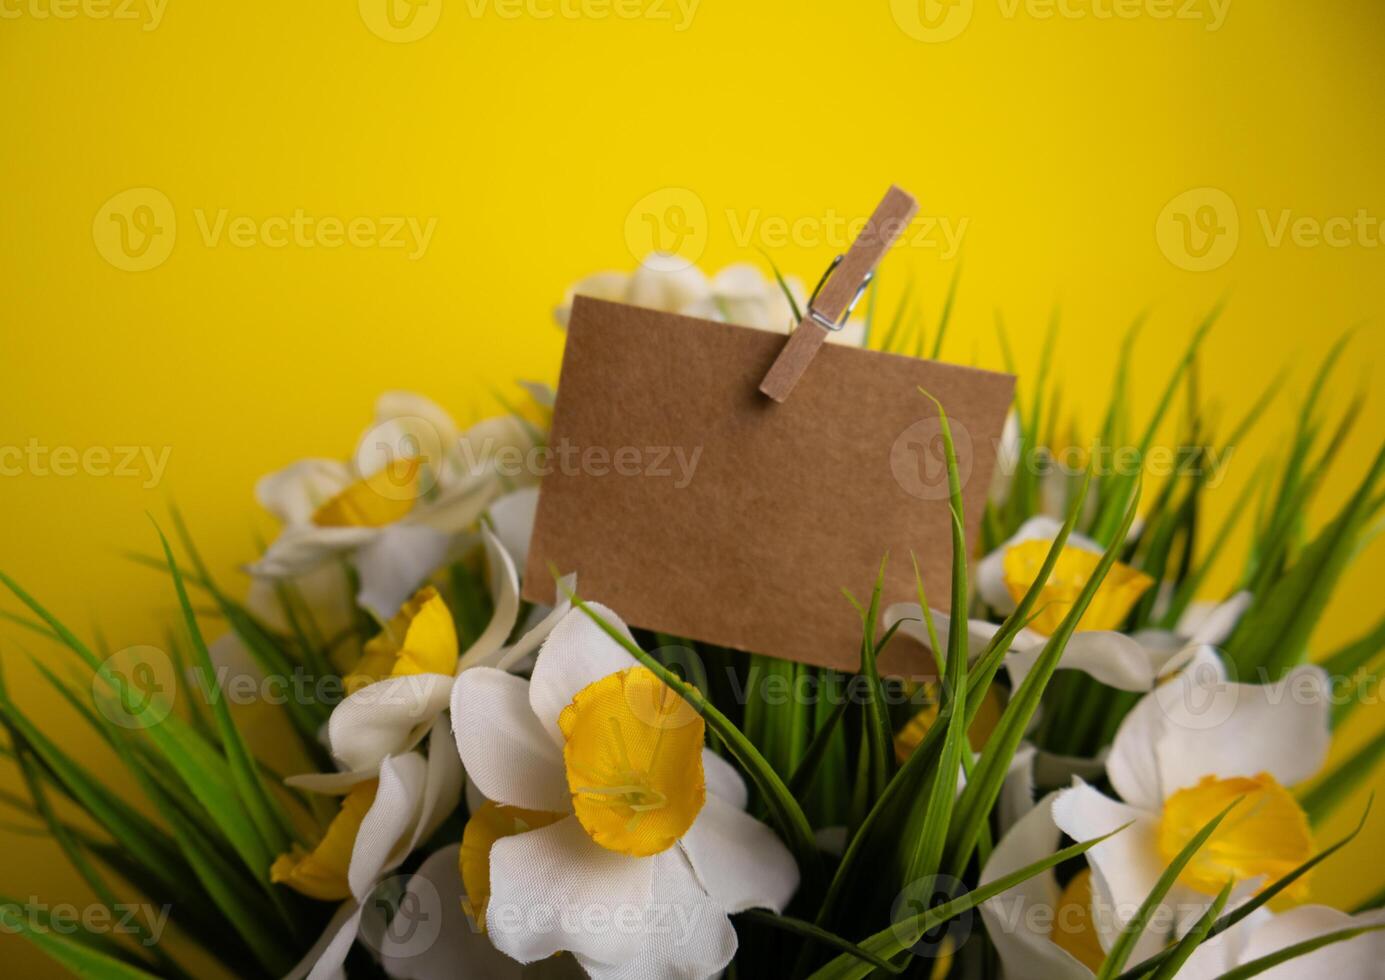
(385, 763)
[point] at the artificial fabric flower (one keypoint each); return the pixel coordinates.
(1096, 648)
(1186, 751)
(1046, 931)
(737, 294)
(380, 823)
(1005, 575)
(396, 510)
(404, 679)
(614, 833)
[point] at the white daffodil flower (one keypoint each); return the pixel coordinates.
(1097, 648)
(613, 833)
(738, 294)
(381, 822)
(1186, 751)
(1044, 931)
(405, 677)
(397, 508)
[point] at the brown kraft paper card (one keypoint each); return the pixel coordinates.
(691, 504)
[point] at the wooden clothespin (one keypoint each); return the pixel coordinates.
(838, 292)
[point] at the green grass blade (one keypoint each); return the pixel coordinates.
(974, 806)
(1196, 936)
(807, 930)
(1259, 900)
(1328, 793)
(903, 933)
(1119, 953)
(268, 819)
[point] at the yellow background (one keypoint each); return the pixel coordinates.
(530, 139)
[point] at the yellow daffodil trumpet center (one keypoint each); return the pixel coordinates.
(1073, 927)
(1114, 599)
(420, 639)
(1267, 833)
(321, 872)
(384, 497)
(488, 824)
(633, 755)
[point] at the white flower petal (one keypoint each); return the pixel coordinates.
(395, 563)
(610, 286)
(1017, 791)
(723, 781)
(910, 616)
(387, 823)
(441, 943)
(1225, 730)
(326, 960)
(504, 588)
(300, 548)
(429, 423)
(739, 860)
(442, 789)
(1025, 952)
(686, 935)
(666, 283)
(577, 653)
(294, 493)
(1125, 867)
(506, 752)
(1359, 957)
(515, 655)
(1112, 658)
(1223, 951)
(1210, 623)
(1133, 764)
(513, 517)
(386, 718)
(556, 889)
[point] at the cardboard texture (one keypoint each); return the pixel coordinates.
(691, 504)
